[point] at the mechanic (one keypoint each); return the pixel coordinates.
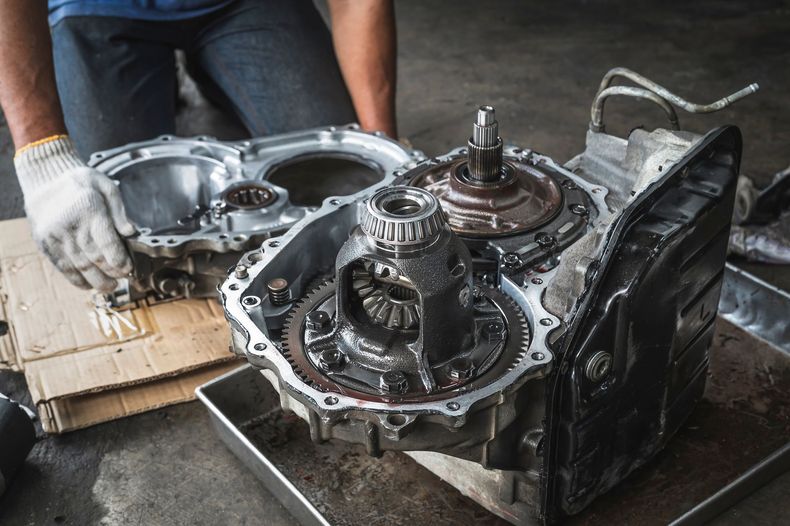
(105, 76)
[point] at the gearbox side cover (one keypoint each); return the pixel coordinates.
(650, 303)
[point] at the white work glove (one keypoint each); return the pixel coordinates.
(75, 212)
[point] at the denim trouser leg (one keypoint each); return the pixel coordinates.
(114, 87)
(272, 62)
(269, 61)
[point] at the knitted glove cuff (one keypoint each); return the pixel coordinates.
(41, 162)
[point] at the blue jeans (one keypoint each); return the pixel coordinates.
(269, 62)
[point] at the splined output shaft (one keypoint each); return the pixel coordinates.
(485, 148)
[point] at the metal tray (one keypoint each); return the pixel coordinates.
(333, 483)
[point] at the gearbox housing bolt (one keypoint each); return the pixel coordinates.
(317, 320)
(394, 382)
(241, 272)
(598, 366)
(461, 369)
(331, 360)
(494, 331)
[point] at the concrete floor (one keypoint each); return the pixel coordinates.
(539, 63)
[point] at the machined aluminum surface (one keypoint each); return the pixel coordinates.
(191, 197)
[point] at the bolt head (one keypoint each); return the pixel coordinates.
(241, 272)
(494, 331)
(394, 382)
(461, 369)
(579, 210)
(545, 240)
(317, 320)
(598, 366)
(331, 360)
(511, 260)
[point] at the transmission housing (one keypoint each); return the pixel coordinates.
(225, 198)
(530, 331)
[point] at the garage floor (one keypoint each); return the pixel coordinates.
(539, 64)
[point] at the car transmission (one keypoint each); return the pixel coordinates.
(529, 331)
(224, 198)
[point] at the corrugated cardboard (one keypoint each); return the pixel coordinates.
(85, 363)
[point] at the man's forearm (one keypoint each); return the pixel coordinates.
(364, 37)
(28, 94)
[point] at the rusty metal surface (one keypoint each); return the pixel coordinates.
(744, 416)
(521, 201)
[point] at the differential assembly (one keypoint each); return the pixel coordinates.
(403, 319)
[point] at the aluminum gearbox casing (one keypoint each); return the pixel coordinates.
(199, 203)
(530, 331)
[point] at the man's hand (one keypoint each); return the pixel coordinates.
(363, 32)
(76, 214)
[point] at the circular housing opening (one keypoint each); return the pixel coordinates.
(311, 179)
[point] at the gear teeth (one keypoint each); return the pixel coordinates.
(288, 325)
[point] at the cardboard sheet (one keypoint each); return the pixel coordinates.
(86, 363)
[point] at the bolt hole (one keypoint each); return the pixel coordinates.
(330, 400)
(234, 286)
(334, 202)
(274, 244)
(223, 236)
(396, 420)
(254, 257)
(546, 322)
(154, 240)
(538, 356)
(453, 406)
(171, 241)
(260, 347)
(239, 238)
(251, 301)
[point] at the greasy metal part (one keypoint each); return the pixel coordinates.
(279, 293)
(663, 97)
(402, 218)
(661, 266)
(598, 366)
(360, 378)
(212, 201)
(380, 425)
(407, 337)
(248, 196)
(528, 198)
(484, 158)
(756, 306)
(448, 342)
